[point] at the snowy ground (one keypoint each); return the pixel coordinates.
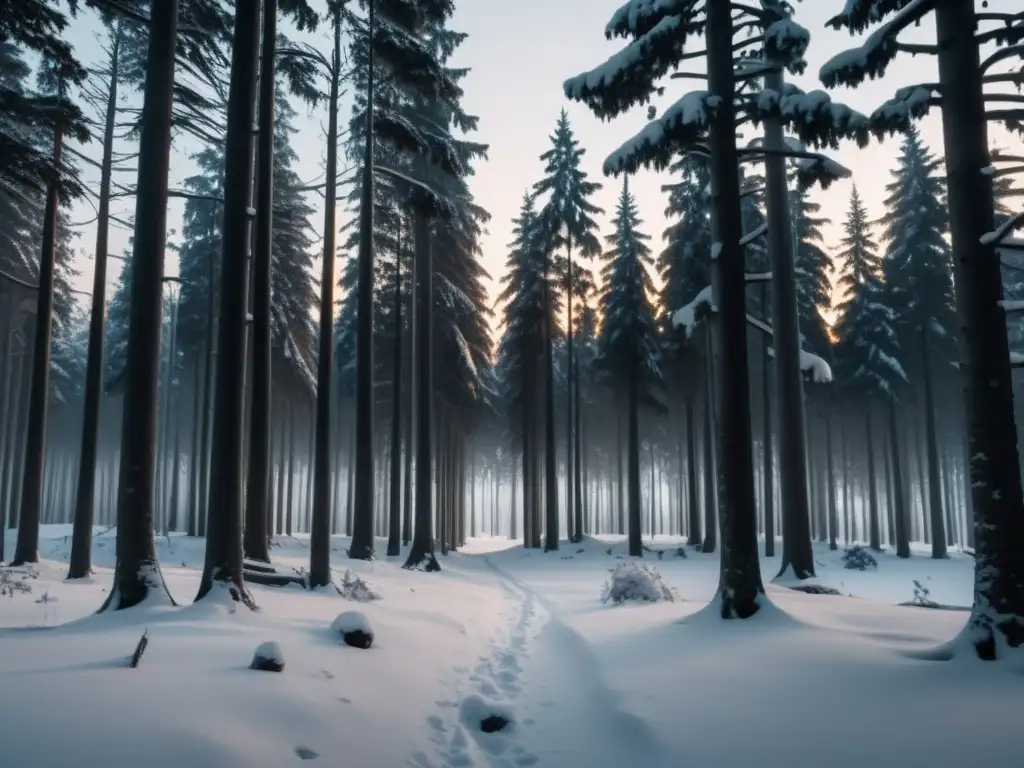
(822, 681)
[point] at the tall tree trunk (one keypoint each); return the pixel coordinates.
(422, 550)
(256, 536)
(224, 529)
(767, 437)
(740, 589)
(931, 438)
(789, 396)
(137, 573)
(874, 521)
(636, 547)
(693, 507)
(395, 500)
(830, 484)
(551, 533)
(362, 534)
(998, 614)
(27, 547)
(320, 522)
(80, 564)
(898, 501)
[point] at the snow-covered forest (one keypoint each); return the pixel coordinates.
(769, 408)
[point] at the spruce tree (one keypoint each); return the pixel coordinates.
(521, 353)
(685, 264)
(567, 218)
(813, 267)
(917, 272)
(867, 355)
(629, 356)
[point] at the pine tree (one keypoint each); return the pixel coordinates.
(521, 352)
(199, 253)
(26, 163)
(685, 264)
(293, 287)
(628, 351)
(813, 266)
(867, 355)
(117, 328)
(567, 218)
(917, 271)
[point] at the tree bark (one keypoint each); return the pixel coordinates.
(137, 573)
(361, 547)
(422, 550)
(256, 536)
(997, 619)
(224, 528)
(80, 564)
(395, 500)
(320, 522)
(789, 396)
(740, 591)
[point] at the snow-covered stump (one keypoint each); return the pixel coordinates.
(354, 629)
(268, 657)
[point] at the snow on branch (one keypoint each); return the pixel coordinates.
(820, 371)
(897, 114)
(638, 17)
(690, 315)
(872, 58)
(750, 237)
(628, 78)
(1000, 233)
(821, 170)
(684, 123)
(858, 15)
(785, 41)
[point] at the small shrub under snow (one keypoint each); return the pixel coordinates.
(857, 558)
(636, 582)
(353, 587)
(354, 629)
(268, 657)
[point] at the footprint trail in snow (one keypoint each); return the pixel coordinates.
(491, 690)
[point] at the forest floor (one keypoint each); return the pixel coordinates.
(815, 680)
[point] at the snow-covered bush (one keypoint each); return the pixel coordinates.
(354, 629)
(856, 558)
(268, 657)
(353, 587)
(14, 582)
(636, 582)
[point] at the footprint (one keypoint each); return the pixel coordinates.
(305, 753)
(344, 699)
(435, 722)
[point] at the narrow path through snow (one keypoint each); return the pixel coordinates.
(569, 716)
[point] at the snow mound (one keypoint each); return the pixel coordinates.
(354, 629)
(636, 583)
(268, 657)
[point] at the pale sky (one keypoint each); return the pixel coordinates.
(520, 53)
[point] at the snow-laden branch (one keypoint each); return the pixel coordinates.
(750, 237)
(687, 317)
(683, 123)
(630, 76)
(821, 371)
(1003, 230)
(910, 103)
(871, 58)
